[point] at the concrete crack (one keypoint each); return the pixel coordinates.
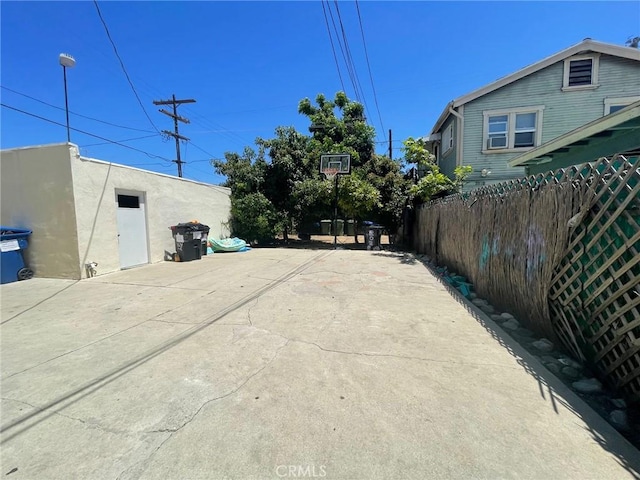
(235, 390)
(172, 431)
(75, 419)
(402, 357)
(144, 460)
(249, 311)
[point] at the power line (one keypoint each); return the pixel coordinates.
(333, 49)
(148, 165)
(151, 155)
(206, 123)
(202, 170)
(153, 91)
(366, 54)
(106, 29)
(202, 150)
(125, 140)
(350, 57)
(186, 147)
(344, 57)
(76, 114)
(200, 161)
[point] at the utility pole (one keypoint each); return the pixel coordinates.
(390, 146)
(176, 118)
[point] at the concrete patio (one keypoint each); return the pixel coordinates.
(281, 363)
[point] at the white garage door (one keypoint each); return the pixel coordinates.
(132, 229)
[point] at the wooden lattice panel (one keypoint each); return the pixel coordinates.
(595, 294)
(560, 251)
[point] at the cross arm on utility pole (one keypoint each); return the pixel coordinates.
(172, 101)
(177, 117)
(175, 103)
(175, 135)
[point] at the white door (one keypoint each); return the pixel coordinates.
(132, 229)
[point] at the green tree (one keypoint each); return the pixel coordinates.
(313, 198)
(338, 126)
(357, 197)
(244, 173)
(289, 164)
(279, 186)
(253, 218)
(432, 182)
(387, 176)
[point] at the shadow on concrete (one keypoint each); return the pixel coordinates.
(31, 307)
(552, 389)
(15, 427)
(324, 242)
(403, 257)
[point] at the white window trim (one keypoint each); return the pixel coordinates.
(617, 102)
(445, 149)
(595, 66)
(511, 112)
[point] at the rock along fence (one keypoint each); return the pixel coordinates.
(561, 251)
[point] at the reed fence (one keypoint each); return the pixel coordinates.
(561, 251)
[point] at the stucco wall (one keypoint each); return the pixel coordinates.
(169, 200)
(37, 194)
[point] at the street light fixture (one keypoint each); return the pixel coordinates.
(66, 60)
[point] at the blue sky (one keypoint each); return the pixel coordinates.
(248, 64)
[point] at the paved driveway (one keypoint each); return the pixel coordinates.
(280, 363)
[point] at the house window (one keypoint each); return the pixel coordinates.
(512, 130)
(525, 131)
(498, 131)
(612, 105)
(447, 139)
(128, 201)
(580, 72)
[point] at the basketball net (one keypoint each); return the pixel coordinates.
(330, 173)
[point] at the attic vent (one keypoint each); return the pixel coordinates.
(580, 72)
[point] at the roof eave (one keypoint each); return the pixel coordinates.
(442, 118)
(585, 45)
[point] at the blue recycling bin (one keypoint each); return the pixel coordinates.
(12, 242)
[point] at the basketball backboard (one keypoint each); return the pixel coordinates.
(335, 164)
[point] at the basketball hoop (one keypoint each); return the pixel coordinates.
(332, 165)
(330, 173)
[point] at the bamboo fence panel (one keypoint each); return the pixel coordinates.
(558, 250)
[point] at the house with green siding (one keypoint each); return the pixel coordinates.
(492, 125)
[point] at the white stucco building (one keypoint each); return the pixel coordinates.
(83, 210)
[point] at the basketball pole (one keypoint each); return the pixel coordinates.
(335, 216)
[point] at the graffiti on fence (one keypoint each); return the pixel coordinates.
(535, 251)
(485, 252)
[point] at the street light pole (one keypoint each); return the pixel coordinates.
(66, 102)
(66, 60)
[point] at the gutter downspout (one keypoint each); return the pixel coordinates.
(460, 129)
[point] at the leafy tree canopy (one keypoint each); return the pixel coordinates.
(432, 182)
(277, 187)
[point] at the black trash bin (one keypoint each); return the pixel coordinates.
(372, 238)
(188, 243)
(204, 236)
